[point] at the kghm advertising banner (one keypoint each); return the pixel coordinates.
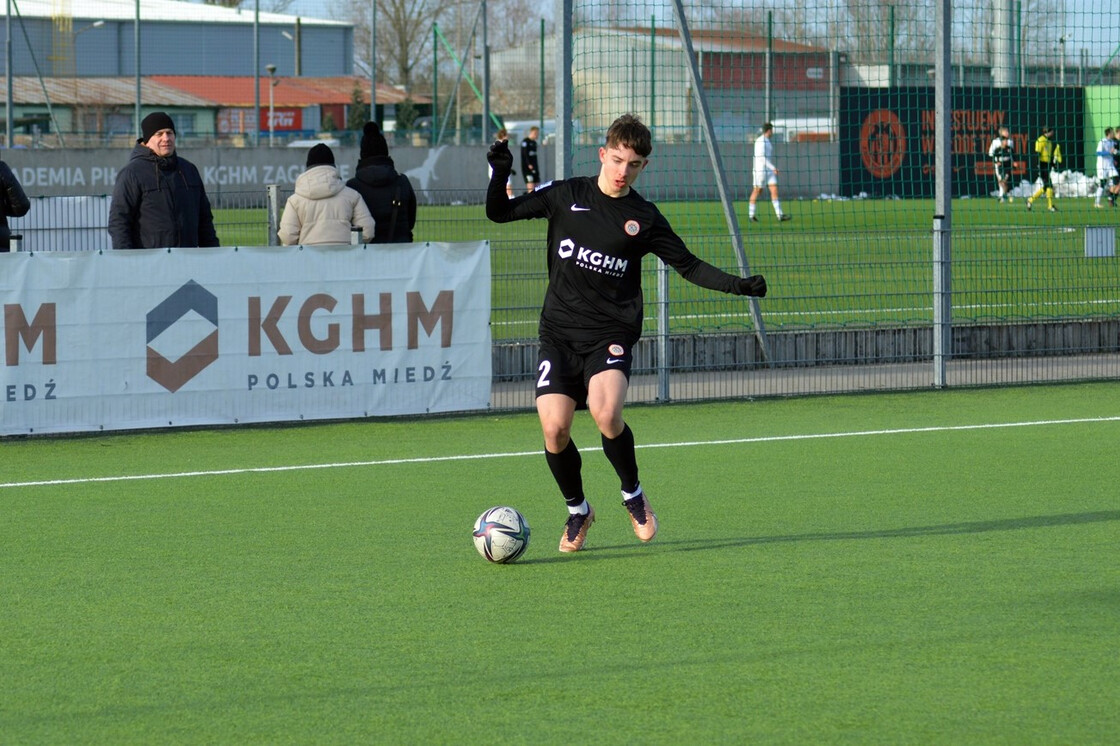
(887, 137)
(164, 338)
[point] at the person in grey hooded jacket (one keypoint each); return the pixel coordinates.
(159, 200)
(323, 210)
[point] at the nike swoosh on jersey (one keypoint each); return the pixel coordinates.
(578, 208)
(613, 360)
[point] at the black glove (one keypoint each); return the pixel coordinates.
(500, 159)
(754, 285)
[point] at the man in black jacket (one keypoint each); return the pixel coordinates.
(387, 194)
(13, 203)
(159, 200)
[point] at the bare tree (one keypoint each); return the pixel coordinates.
(404, 36)
(405, 33)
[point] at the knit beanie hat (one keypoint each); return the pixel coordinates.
(373, 142)
(320, 155)
(153, 123)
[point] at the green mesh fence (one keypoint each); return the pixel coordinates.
(848, 89)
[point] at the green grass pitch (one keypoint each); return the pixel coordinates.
(935, 567)
(857, 263)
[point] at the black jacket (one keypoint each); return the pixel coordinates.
(160, 202)
(377, 180)
(13, 202)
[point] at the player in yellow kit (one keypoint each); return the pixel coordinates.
(1049, 155)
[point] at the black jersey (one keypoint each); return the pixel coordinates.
(529, 159)
(1004, 158)
(595, 249)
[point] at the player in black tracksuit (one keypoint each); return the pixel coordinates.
(529, 166)
(598, 231)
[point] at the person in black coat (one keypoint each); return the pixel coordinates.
(159, 200)
(13, 203)
(387, 194)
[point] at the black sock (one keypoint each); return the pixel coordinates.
(620, 452)
(566, 467)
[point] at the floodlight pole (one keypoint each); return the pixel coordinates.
(136, 44)
(8, 75)
(373, 61)
(257, 74)
(271, 119)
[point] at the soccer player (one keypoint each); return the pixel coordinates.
(599, 228)
(1002, 153)
(1004, 158)
(529, 165)
(1106, 169)
(1049, 155)
(765, 174)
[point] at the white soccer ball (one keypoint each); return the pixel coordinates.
(501, 534)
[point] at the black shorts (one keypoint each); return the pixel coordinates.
(1003, 173)
(566, 369)
(1044, 174)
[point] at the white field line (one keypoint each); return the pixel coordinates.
(520, 454)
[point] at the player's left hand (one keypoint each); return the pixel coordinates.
(499, 158)
(754, 285)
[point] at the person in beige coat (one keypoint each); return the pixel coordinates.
(323, 209)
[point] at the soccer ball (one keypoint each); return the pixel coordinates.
(501, 534)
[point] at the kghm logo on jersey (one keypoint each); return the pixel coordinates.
(595, 261)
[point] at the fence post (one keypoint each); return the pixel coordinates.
(662, 331)
(273, 214)
(942, 299)
(943, 191)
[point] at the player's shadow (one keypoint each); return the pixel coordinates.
(942, 529)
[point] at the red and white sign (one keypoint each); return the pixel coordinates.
(283, 120)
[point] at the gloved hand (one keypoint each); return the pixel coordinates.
(500, 159)
(754, 285)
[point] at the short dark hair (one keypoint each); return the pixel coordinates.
(767, 126)
(629, 131)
